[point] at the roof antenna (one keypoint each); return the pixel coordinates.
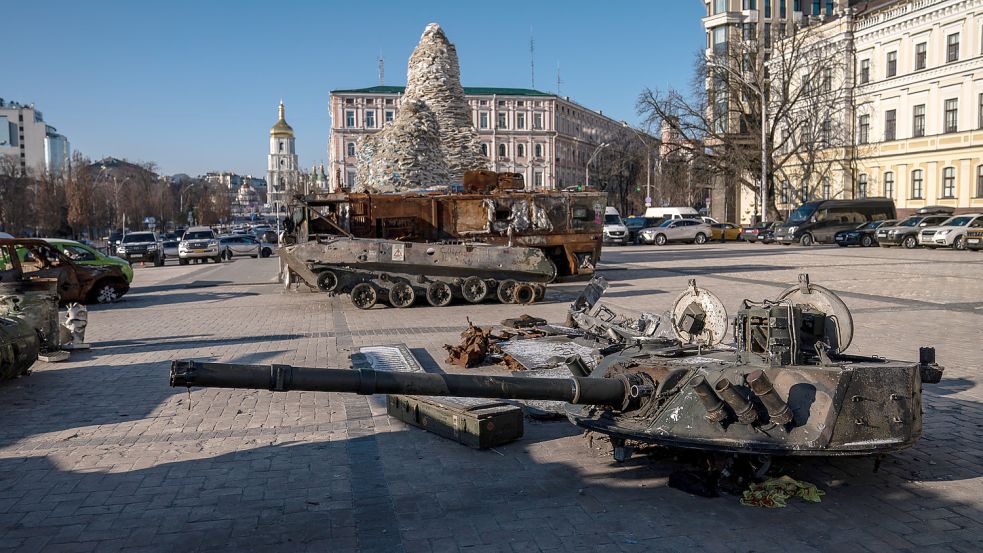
(382, 70)
(558, 80)
(532, 60)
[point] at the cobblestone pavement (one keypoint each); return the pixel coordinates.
(99, 454)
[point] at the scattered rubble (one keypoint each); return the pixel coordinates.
(473, 348)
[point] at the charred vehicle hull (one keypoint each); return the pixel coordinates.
(494, 209)
(787, 388)
(401, 272)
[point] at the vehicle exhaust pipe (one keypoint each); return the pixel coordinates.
(715, 408)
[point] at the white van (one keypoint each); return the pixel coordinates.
(672, 213)
(615, 231)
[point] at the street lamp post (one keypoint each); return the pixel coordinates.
(184, 189)
(592, 156)
(648, 165)
(764, 120)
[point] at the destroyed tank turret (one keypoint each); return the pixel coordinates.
(371, 270)
(786, 389)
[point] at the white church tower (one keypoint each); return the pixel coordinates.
(282, 176)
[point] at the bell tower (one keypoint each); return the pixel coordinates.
(282, 170)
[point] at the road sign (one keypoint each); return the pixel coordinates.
(648, 201)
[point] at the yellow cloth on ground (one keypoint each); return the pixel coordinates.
(775, 493)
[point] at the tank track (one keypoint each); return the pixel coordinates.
(367, 288)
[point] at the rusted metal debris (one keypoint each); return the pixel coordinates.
(473, 347)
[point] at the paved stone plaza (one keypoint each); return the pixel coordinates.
(100, 454)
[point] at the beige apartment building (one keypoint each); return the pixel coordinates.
(917, 115)
(547, 138)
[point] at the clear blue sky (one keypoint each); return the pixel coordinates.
(194, 86)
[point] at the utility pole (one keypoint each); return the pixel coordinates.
(648, 164)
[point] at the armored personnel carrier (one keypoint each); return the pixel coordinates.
(370, 270)
(786, 388)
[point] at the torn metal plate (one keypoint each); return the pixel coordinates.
(537, 353)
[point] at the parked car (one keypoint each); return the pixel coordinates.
(170, 246)
(974, 239)
(677, 230)
(672, 212)
(233, 245)
(141, 246)
(33, 258)
(864, 235)
(5, 235)
(758, 232)
(85, 254)
(615, 231)
(199, 244)
(636, 224)
(905, 233)
(730, 231)
(819, 221)
(952, 233)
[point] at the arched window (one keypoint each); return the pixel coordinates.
(949, 182)
(351, 149)
(484, 149)
(538, 150)
(520, 150)
(502, 150)
(862, 186)
(917, 180)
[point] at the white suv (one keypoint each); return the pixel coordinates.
(200, 244)
(952, 232)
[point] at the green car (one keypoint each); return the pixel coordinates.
(87, 255)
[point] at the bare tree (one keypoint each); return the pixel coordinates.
(16, 197)
(801, 82)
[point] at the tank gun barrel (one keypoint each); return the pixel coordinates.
(281, 378)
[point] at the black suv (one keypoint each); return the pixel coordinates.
(141, 246)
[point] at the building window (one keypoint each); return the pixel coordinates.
(916, 184)
(719, 6)
(918, 121)
(889, 185)
(952, 48)
(351, 179)
(482, 102)
(502, 150)
(520, 150)
(370, 119)
(351, 149)
(281, 145)
(484, 149)
(483, 120)
(979, 123)
(520, 120)
(949, 182)
(747, 4)
(785, 192)
(864, 71)
(827, 189)
(503, 121)
(350, 118)
(951, 115)
(892, 64)
(349, 101)
(537, 121)
(390, 114)
(979, 181)
(501, 103)
(862, 186)
(767, 7)
(389, 101)
(890, 124)
(864, 129)
(537, 179)
(747, 31)
(826, 132)
(827, 80)
(781, 8)
(538, 151)
(921, 55)
(767, 35)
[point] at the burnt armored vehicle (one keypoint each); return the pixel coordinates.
(494, 208)
(787, 388)
(400, 272)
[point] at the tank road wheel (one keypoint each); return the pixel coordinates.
(439, 294)
(327, 281)
(364, 296)
(401, 295)
(474, 289)
(506, 291)
(540, 290)
(524, 294)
